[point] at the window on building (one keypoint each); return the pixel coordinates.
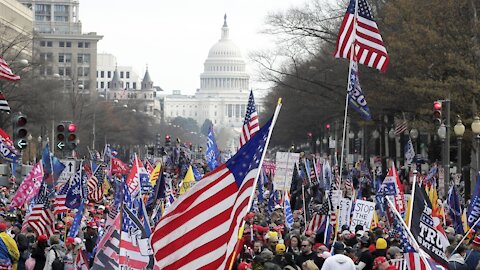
(145, 96)
(80, 44)
(69, 44)
(49, 44)
(121, 74)
(134, 85)
(42, 43)
(243, 109)
(237, 110)
(87, 45)
(83, 58)
(127, 85)
(102, 74)
(108, 86)
(61, 44)
(215, 113)
(128, 74)
(102, 85)
(109, 74)
(230, 110)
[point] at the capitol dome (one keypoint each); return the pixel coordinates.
(225, 48)
(224, 71)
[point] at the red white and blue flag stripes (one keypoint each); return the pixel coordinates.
(210, 213)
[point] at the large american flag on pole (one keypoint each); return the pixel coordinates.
(6, 72)
(250, 124)
(41, 218)
(200, 229)
(363, 33)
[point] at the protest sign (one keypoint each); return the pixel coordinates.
(362, 214)
(284, 169)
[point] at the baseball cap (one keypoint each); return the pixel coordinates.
(378, 261)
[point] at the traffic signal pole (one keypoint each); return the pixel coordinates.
(446, 169)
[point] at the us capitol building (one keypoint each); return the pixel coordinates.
(224, 89)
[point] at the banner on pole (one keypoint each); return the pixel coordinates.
(284, 169)
(362, 214)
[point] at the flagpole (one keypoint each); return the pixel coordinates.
(410, 209)
(399, 217)
(465, 236)
(272, 125)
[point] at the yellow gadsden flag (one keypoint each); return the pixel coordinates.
(155, 173)
(188, 181)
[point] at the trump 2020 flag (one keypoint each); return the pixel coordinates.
(356, 99)
(209, 215)
(473, 210)
(212, 154)
(426, 226)
(288, 211)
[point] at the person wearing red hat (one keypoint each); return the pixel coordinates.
(244, 266)
(70, 255)
(91, 237)
(381, 263)
(9, 254)
(38, 252)
(472, 257)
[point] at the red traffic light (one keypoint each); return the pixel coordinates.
(327, 126)
(167, 137)
(72, 127)
(437, 105)
(21, 121)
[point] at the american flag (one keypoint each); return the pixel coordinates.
(362, 31)
(6, 72)
(41, 218)
(59, 201)
(95, 191)
(4, 103)
(397, 263)
(250, 124)
(82, 262)
(400, 127)
(200, 229)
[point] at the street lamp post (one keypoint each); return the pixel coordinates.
(414, 136)
(476, 131)
(459, 130)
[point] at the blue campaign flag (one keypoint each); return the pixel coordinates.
(196, 173)
(8, 152)
(288, 212)
(261, 183)
(46, 160)
(473, 210)
(455, 210)
(356, 99)
(76, 221)
(58, 168)
(75, 193)
(212, 154)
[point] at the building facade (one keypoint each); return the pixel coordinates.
(143, 100)
(224, 88)
(16, 23)
(61, 46)
(106, 66)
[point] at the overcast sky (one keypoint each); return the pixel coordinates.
(174, 36)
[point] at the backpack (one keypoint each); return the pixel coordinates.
(58, 263)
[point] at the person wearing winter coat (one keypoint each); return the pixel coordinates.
(338, 261)
(55, 251)
(38, 252)
(456, 261)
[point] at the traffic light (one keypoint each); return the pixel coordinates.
(71, 136)
(60, 135)
(167, 140)
(20, 131)
(437, 113)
